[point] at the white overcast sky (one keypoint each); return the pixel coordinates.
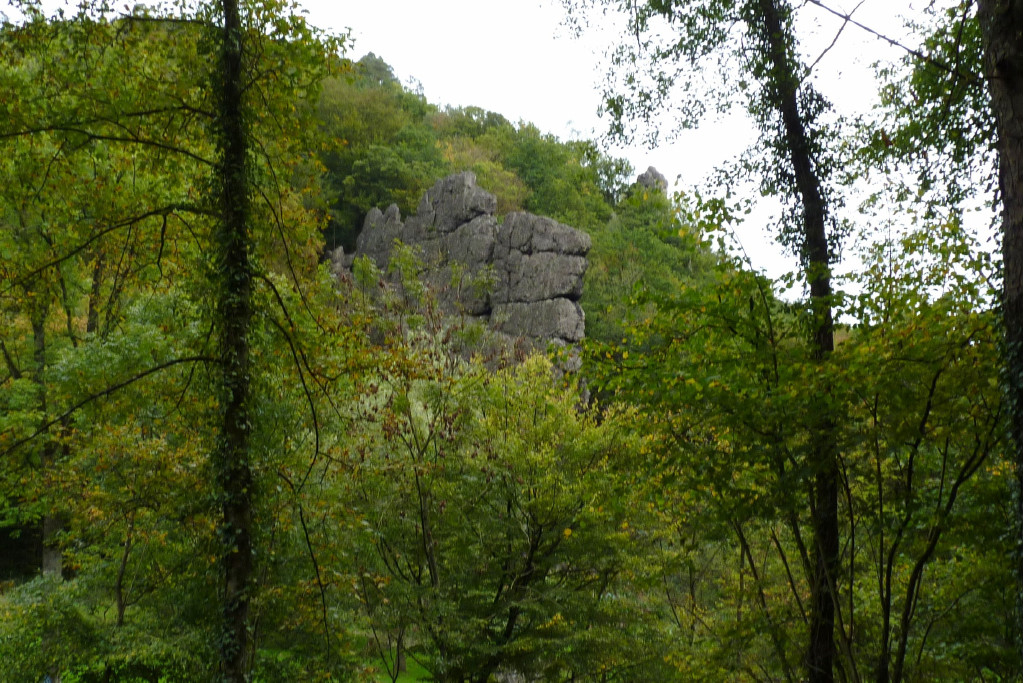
(515, 57)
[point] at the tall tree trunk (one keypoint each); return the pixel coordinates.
(784, 84)
(1000, 22)
(1001, 35)
(52, 559)
(234, 320)
(51, 556)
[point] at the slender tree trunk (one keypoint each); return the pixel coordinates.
(51, 556)
(93, 315)
(120, 597)
(234, 320)
(52, 559)
(1000, 22)
(784, 83)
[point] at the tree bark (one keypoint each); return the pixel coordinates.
(52, 558)
(234, 320)
(1000, 22)
(784, 85)
(1001, 35)
(51, 555)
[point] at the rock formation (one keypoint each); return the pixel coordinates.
(652, 179)
(523, 275)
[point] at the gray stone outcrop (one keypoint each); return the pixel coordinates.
(652, 179)
(523, 275)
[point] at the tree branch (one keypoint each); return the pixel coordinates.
(98, 395)
(127, 222)
(938, 63)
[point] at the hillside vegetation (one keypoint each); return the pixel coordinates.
(218, 461)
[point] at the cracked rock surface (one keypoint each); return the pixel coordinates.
(523, 275)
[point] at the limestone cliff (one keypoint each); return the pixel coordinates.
(523, 275)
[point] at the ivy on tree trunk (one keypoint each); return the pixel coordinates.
(783, 86)
(234, 319)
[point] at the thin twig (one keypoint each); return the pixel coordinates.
(938, 63)
(836, 38)
(101, 394)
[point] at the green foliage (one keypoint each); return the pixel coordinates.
(729, 392)
(378, 148)
(645, 251)
(386, 145)
(935, 118)
(92, 650)
(561, 179)
(407, 497)
(107, 324)
(496, 524)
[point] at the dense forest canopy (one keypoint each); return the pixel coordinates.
(388, 145)
(221, 461)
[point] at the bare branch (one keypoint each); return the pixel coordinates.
(101, 394)
(938, 63)
(835, 39)
(12, 367)
(127, 222)
(74, 128)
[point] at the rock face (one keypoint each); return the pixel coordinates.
(652, 180)
(523, 275)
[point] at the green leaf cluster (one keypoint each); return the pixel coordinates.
(385, 144)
